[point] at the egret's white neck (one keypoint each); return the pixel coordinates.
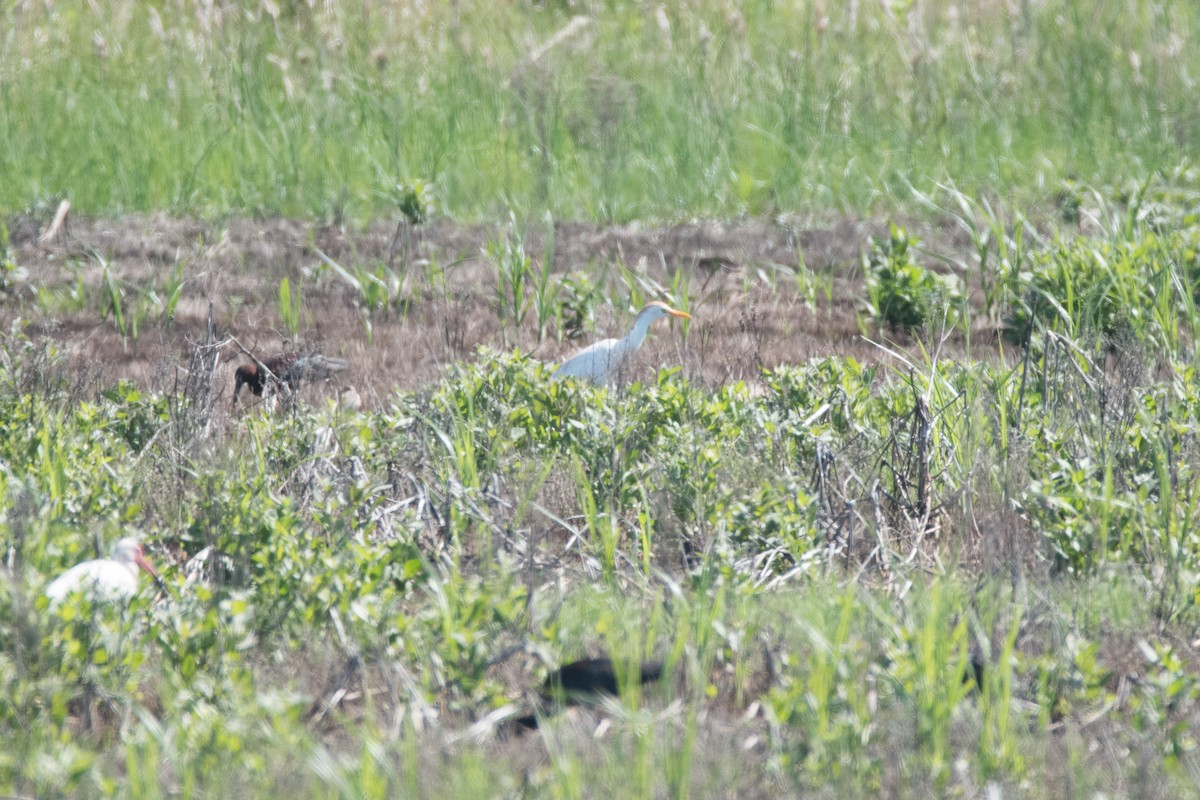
(641, 326)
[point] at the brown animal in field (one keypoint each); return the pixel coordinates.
(288, 369)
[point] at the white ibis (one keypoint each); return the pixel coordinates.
(288, 368)
(104, 579)
(599, 362)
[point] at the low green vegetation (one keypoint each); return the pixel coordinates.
(920, 576)
(901, 292)
(11, 275)
(290, 304)
(966, 567)
(129, 307)
(607, 111)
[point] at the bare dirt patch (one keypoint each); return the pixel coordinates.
(750, 313)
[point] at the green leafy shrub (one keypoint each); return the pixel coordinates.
(781, 514)
(415, 200)
(823, 405)
(580, 296)
(901, 292)
(1080, 286)
(1147, 286)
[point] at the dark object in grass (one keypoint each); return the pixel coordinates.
(593, 676)
(584, 682)
(285, 368)
(974, 672)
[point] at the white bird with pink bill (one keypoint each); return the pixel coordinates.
(104, 579)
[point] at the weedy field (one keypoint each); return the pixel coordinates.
(610, 111)
(907, 508)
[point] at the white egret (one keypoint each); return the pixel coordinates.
(599, 362)
(104, 579)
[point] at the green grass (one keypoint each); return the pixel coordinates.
(706, 109)
(820, 559)
(389, 579)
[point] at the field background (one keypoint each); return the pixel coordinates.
(908, 508)
(605, 112)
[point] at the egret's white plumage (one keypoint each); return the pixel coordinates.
(103, 579)
(599, 362)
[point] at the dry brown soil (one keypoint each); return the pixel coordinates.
(748, 311)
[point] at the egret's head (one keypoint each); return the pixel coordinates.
(656, 309)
